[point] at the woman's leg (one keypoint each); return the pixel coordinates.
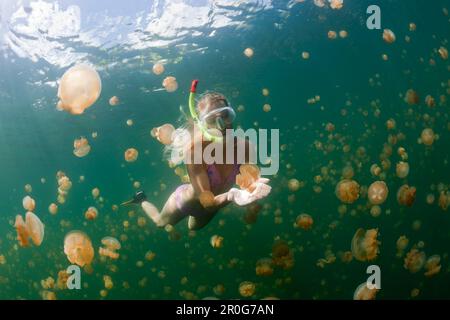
(196, 223)
(170, 214)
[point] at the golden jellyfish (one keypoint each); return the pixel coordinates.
(216, 241)
(28, 203)
(294, 185)
(402, 169)
(53, 208)
(267, 107)
(305, 55)
(248, 52)
(332, 34)
(388, 36)
(164, 133)
(363, 292)
(432, 266)
(158, 68)
(28, 188)
(414, 260)
(411, 97)
(336, 4)
(131, 155)
(304, 221)
(81, 147)
(443, 52)
(412, 26)
(248, 175)
(375, 211)
(247, 289)
(401, 244)
(427, 136)
(430, 101)
(78, 248)
(23, 234)
(79, 88)
(406, 195)
(375, 169)
(35, 228)
(444, 199)
(110, 247)
(264, 267)
(282, 255)
(365, 244)
(114, 101)
(377, 192)
(343, 34)
(95, 193)
(347, 191)
(91, 213)
(265, 92)
(170, 84)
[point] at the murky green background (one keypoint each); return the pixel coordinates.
(36, 141)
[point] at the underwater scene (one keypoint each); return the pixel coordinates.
(99, 115)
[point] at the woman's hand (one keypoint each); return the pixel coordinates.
(244, 197)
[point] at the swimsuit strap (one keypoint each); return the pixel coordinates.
(215, 180)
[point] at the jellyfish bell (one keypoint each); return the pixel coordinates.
(53, 208)
(170, 84)
(91, 213)
(365, 245)
(377, 192)
(158, 68)
(78, 248)
(414, 260)
(347, 191)
(402, 169)
(28, 203)
(427, 136)
(81, 147)
(304, 221)
(388, 36)
(406, 195)
(363, 292)
(23, 234)
(131, 155)
(35, 228)
(164, 133)
(114, 101)
(248, 175)
(247, 289)
(432, 265)
(79, 88)
(248, 52)
(111, 243)
(216, 241)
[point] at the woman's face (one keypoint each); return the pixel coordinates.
(215, 112)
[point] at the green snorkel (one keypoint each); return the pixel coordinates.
(208, 136)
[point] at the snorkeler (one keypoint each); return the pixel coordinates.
(211, 185)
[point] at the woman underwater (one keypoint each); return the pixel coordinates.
(211, 185)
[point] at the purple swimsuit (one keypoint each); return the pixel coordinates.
(215, 182)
